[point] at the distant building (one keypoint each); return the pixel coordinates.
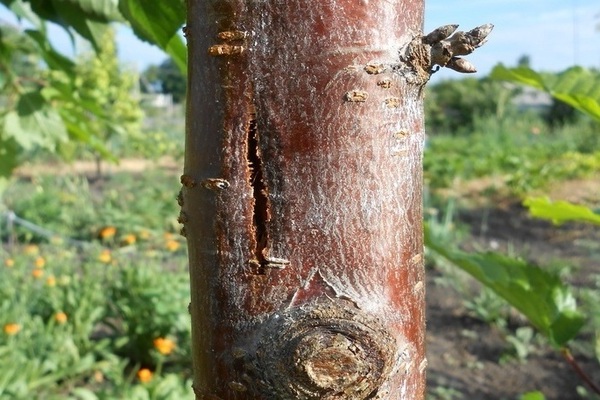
(157, 100)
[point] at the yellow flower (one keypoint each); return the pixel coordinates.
(31, 249)
(172, 245)
(40, 262)
(37, 273)
(128, 239)
(164, 346)
(144, 234)
(9, 262)
(108, 232)
(144, 375)
(51, 281)
(105, 256)
(12, 329)
(60, 317)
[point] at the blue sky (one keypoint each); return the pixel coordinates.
(555, 34)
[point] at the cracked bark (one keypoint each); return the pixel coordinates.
(305, 136)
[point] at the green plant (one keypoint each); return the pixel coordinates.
(532, 396)
(45, 109)
(521, 344)
(443, 393)
(147, 304)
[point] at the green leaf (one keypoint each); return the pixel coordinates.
(533, 396)
(178, 52)
(84, 394)
(53, 58)
(35, 122)
(560, 212)
(548, 304)
(521, 75)
(576, 86)
(9, 153)
(158, 25)
(89, 18)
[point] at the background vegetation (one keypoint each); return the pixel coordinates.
(93, 279)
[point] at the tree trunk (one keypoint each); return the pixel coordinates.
(301, 198)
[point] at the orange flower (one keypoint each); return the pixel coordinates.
(164, 346)
(60, 317)
(37, 273)
(108, 232)
(9, 262)
(40, 262)
(144, 375)
(105, 256)
(51, 281)
(12, 329)
(128, 239)
(172, 245)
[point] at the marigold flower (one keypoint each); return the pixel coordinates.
(9, 262)
(40, 262)
(12, 328)
(105, 256)
(37, 273)
(108, 232)
(51, 281)
(128, 239)
(164, 346)
(60, 317)
(172, 245)
(144, 375)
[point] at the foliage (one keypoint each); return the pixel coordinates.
(453, 106)
(147, 205)
(532, 396)
(81, 322)
(560, 212)
(577, 86)
(546, 302)
(165, 78)
(105, 83)
(522, 152)
(46, 108)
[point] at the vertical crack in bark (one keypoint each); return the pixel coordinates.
(261, 212)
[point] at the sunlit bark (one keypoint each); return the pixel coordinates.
(301, 198)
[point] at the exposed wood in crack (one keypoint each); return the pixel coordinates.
(261, 212)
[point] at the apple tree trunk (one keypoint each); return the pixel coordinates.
(301, 199)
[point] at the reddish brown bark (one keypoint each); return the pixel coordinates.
(302, 199)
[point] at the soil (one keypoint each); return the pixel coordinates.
(463, 352)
